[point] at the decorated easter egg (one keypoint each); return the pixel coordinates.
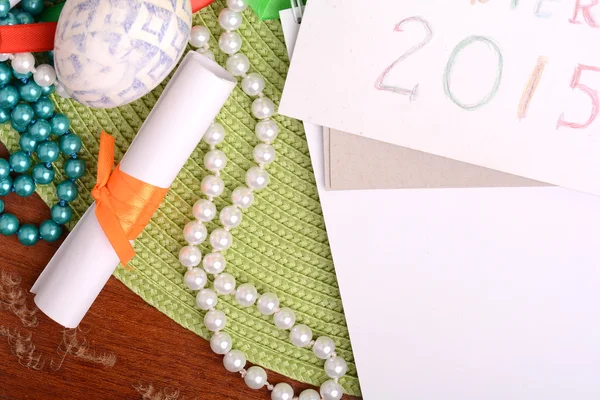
(111, 52)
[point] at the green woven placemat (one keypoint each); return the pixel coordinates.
(281, 245)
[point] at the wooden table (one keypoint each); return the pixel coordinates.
(150, 348)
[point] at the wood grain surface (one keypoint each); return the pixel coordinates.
(150, 348)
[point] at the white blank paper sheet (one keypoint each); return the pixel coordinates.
(468, 294)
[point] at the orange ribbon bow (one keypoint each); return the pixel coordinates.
(124, 204)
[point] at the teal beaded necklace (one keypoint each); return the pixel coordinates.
(26, 105)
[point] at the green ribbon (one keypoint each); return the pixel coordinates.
(269, 9)
(50, 14)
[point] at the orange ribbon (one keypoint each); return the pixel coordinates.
(124, 204)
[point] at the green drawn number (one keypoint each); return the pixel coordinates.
(450, 65)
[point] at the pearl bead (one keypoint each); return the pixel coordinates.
(199, 36)
(195, 278)
(267, 303)
(256, 377)
(220, 239)
(257, 178)
(253, 84)
(230, 20)
(234, 361)
(215, 160)
(204, 210)
(285, 318)
(4, 56)
(230, 42)
(224, 284)
(215, 320)
(44, 75)
(336, 367)
(212, 186)
(300, 335)
(221, 343)
(206, 53)
(309, 394)
(230, 217)
(190, 256)
(242, 197)
(61, 91)
(214, 263)
(331, 390)
(214, 134)
(23, 63)
(263, 107)
(264, 153)
(246, 295)
(323, 347)
(237, 5)
(282, 391)
(206, 299)
(195, 232)
(238, 64)
(266, 130)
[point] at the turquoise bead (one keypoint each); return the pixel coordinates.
(22, 114)
(40, 130)
(24, 185)
(19, 161)
(4, 168)
(47, 90)
(18, 128)
(9, 224)
(5, 74)
(4, 8)
(48, 151)
(70, 144)
(6, 186)
(10, 19)
(61, 214)
(30, 91)
(4, 115)
(20, 76)
(50, 231)
(27, 143)
(60, 124)
(42, 174)
(1, 206)
(43, 108)
(33, 7)
(74, 168)
(28, 235)
(9, 96)
(24, 18)
(67, 191)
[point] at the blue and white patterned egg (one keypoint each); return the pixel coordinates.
(111, 52)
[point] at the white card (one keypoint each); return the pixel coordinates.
(507, 84)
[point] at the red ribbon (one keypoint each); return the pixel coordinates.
(28, 38)
(32, 38)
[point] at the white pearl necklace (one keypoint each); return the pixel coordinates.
(214, 263)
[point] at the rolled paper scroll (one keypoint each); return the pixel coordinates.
(82, 265)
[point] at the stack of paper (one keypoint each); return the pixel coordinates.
(460, 293)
